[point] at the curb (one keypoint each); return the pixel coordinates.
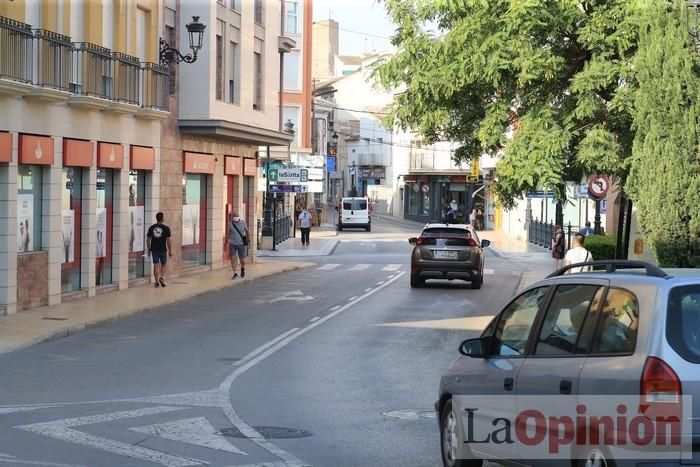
(60, 333)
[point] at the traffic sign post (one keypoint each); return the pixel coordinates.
(598, 186)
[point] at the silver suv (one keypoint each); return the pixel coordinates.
(626, 327)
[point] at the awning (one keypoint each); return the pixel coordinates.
(234, 131)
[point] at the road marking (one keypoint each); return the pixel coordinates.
(265, 346)
(61, 430)
(328, 267)
(293, 296)
(367, 290)
(41, 464)
(380, 282)
(2, 454)
(391, 267)
(315, 318)
(359, 267)
(196, 431)
(489, 272)
(411, 414)
(335, 307)
(352, 298)
(6, 410)
(472, 323)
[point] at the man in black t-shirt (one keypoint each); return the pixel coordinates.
(159, 248)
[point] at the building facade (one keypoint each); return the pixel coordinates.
(83, 98)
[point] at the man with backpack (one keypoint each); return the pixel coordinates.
(237, 242)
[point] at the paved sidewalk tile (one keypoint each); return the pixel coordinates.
(51, 322)
(318, 246)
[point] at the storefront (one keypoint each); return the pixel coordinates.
(233, 172)
(141, 165)
(110, 161)
(198, 168)
(428, 197)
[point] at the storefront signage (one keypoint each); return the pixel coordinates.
(288, 189)
(330, 164)
(308, 160)
(316, 173)
(199, 163)
(110, 156)
(77, 153)
(233, 166)
(293, 175)
(373, 172)
(250, 167)
(5, 146)
(143, 158)
(36, 150)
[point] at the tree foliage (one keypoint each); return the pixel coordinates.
(664, 176)
(546, 84)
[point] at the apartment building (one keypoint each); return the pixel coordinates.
(82, 99)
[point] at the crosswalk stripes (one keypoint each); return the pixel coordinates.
(328, 267)
(359, 267)
(391, 267)
(386, 268)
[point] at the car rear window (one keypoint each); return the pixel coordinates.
(447, 242)
(445, 232)
(355, 205)
(683, 321)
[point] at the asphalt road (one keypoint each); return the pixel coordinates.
(334, 365)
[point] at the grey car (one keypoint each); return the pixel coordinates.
(447, 251)
(630, 328)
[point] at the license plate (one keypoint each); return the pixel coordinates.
(445, 254)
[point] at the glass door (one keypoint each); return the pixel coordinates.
(71, 215)
(137, 232)
(103, 226)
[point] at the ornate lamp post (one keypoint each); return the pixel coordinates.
(169, 54)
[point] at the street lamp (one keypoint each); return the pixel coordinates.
(289, 129)
(169, 54)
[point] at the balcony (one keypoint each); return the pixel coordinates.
(46, 65)
(429, 160)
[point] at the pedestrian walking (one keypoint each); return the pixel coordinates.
(305, 226)
(472, 218)
(159, 248)
(587, 230)
(558, 249)
(578, 254)
(451, 216)
(237, 243)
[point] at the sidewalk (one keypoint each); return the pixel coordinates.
(321, 243)
(47, 323)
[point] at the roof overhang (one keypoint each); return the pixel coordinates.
(234, 131)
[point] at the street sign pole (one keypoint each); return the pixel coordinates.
(596, 225)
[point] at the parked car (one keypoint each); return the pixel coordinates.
(448, 251)
(631, 328)
(355, 213)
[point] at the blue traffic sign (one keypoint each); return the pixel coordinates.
(330, 164)
(288, 189)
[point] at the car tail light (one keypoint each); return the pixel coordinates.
(471, 242)
(419, 241)
(660, 384)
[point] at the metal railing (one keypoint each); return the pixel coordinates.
(94, 71)
(126, 78)
(16, 50)
(53, 52)
(155, 86)
(280, 229)
(541, 233)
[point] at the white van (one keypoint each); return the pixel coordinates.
(354, 213)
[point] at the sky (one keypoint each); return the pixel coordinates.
(364, 24)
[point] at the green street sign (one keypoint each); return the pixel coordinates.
(273, 175)
(304, 175)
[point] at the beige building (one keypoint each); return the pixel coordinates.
(82, 101)
(326, 50)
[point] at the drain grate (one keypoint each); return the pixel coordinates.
(54, 318)
(269, 432)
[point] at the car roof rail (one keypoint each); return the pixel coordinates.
(612, 265)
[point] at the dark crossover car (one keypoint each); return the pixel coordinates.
(448, 251)
(614, 353)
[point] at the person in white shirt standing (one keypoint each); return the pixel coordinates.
(578, 254)
(305, 226)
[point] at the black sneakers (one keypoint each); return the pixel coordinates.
(242, 273)
(162, 282)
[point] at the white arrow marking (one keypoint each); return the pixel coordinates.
(196, 431)
(391, 267)
(294, 296)
(328, 267)
(61, 429)
(359, 267)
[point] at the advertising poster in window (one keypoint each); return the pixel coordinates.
(25, 218)
(136, 229)
(190, 224)
(67, 231)
(101, 227)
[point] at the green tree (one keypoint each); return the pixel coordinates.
(546, 84)
(664, 176)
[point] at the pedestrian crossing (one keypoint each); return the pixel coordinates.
(384, 267)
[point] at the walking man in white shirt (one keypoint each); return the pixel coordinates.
(305, 226)
(578, 254)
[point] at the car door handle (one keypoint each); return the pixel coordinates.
(565, 386)
(508, 384)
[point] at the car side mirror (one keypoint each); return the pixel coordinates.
(474, 348)
(412, 240)
(485, 243)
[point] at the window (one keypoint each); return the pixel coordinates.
(234, 5)
(291, 71)
(71, 216)
(235, 75)
(137, 230)
(141, 34)
(194, 216)
(683, 325)
(29, 187)
(258, 11)
(512, 329)
(257, 96)
(291, 16)
(219, 67)
(619, 319)
(103, 227)
(566, 329)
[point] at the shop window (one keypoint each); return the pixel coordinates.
(137, 232)
(71, 213)
(194, 212)
(29, 199)
(103, 227)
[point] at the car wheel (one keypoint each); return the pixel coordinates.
(595, 458)
(478, 280)
(416, 281)
(340, 228)
(368, 228)
(449, 440)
